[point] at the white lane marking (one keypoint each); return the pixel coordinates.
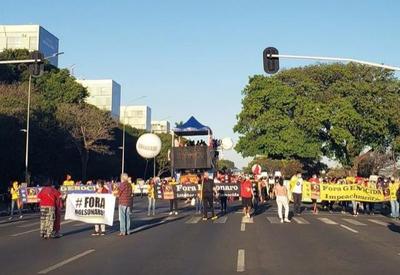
(193, 220)
(327, 221)
(240, 261)
(222, 219)
(300, 220)
(349, 228)
(16, 223)
(60, 264)
(35, 230)
(379, 222)
(354, 222)
(273, 220)
(242, 227)
(247, 220)
(28, 225)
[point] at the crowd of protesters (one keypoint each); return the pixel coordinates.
(254, 192)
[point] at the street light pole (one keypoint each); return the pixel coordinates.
(27, 178)
(123, 146)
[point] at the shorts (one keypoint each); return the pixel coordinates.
(246, 202)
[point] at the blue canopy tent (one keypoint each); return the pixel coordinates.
(192, 127)
(190, 157)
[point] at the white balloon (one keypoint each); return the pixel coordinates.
(227, 143)
(148, 145)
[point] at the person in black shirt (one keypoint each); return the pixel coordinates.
(208, 192)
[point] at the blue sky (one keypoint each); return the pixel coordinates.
(195, 57)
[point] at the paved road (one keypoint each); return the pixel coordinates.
(183, 244)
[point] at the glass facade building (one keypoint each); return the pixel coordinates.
(104, 94)
(30, 37)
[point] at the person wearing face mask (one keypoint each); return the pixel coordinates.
(282, 200)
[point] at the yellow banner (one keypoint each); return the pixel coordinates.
(352, 192)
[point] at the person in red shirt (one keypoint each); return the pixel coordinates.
(48, 197)
(246, 191)
(58, 207)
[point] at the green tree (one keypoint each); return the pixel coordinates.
(163, 163)
(304, 113)
(224, 164)
(88, 128)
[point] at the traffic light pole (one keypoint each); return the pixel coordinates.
(339, 59)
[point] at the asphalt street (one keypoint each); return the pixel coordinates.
(184, 244)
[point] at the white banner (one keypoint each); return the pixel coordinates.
(91, 208)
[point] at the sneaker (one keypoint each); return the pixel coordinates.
(281, 221)
(214, 218)
(10, 218)
(95, 234)
(287, 221)
(102, 233)
(170, 213)
(21, 216)
(204, 219)
(176, 213)
(57, 235)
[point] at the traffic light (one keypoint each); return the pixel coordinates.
(271, 64)
(36, 69)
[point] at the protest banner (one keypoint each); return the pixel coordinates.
(90, 208)
(79, 189)
(228, 189)
(350, 192)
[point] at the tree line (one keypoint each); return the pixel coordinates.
(335, 110)
(67, 135)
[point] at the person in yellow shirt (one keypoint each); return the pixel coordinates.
(394, 203)
(68, 181)
(150, 196)
(15, 200)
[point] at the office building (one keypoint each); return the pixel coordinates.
(104, 94)
(160, 126)
(138, 117)
(30, 37)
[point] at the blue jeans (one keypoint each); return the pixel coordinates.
(394, 205)
(13, 204)
(199, 205)
(152, 206)
(124, 219)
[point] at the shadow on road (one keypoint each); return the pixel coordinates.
(394, 227)
(154, 223)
